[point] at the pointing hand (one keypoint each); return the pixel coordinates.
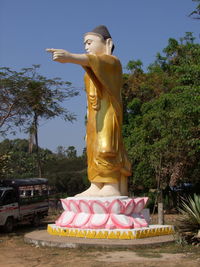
(59, 55)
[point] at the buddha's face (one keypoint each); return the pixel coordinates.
(94, 44)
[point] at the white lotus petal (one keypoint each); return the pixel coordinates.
(98, 220)
(74, 206)
(116, 207)
(67, 218)
(65, 204)
(98, 207)
(84, 206)
(129, 207)
(81, 219)
(122, 221)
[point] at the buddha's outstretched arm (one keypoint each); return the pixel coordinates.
(64, 56)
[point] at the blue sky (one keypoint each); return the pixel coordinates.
(139, 28)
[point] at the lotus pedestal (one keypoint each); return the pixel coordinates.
(111, 217)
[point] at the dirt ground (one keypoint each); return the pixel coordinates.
(14, 252)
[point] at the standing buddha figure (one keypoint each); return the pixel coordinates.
(108, 165)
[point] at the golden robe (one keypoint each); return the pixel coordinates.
(107, 159)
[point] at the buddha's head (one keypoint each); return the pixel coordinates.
(98, 41)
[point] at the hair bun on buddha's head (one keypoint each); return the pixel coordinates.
(103, 31)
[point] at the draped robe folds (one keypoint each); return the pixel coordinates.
(107, 158)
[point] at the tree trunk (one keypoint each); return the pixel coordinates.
(31, 140)
(160, 207)
(160, 194)
(37, 146)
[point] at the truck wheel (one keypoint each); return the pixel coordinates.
(36, 220)
(9, 225)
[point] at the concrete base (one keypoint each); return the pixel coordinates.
(42, 238)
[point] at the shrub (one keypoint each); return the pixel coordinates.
(188, 224)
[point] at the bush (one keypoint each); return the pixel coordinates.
(188, 224)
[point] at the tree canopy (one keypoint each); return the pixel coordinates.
(196, 13)
(27, 95)
(162, 117)
(66, 174)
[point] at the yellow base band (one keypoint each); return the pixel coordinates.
(154, 230)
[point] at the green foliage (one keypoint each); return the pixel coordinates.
(196, 13)
(161, 117)
(5, 165)
(71, 152)
(26, 97)
(66, 174)
(26, 94)
(191, 209)
(188, 222)
(134, 66)
(19, 162)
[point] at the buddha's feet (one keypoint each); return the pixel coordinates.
(92, 191)
(101, 190)
(109, 190)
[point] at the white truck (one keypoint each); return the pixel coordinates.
(23, 200)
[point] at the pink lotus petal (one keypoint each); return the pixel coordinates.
(65, 203)
(106, 204)
(110, 224)
(145, 200)
(98, 220)
(58, 221)
(139, 205)
(81, 219)
(121, 221)
(67, 218)
(130, 205)
(73, 206)
(98, 207)
(139, 221)
(85, 207)
(116, 207)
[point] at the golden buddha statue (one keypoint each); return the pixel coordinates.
(108, 165)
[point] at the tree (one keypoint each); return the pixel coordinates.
(134, 66)
(196, 13)
(9, 88)
(60, 151)
(66, 175)
(162, 134)
(28, 97)
(71, 152)
(4, 165)
(17, 162)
